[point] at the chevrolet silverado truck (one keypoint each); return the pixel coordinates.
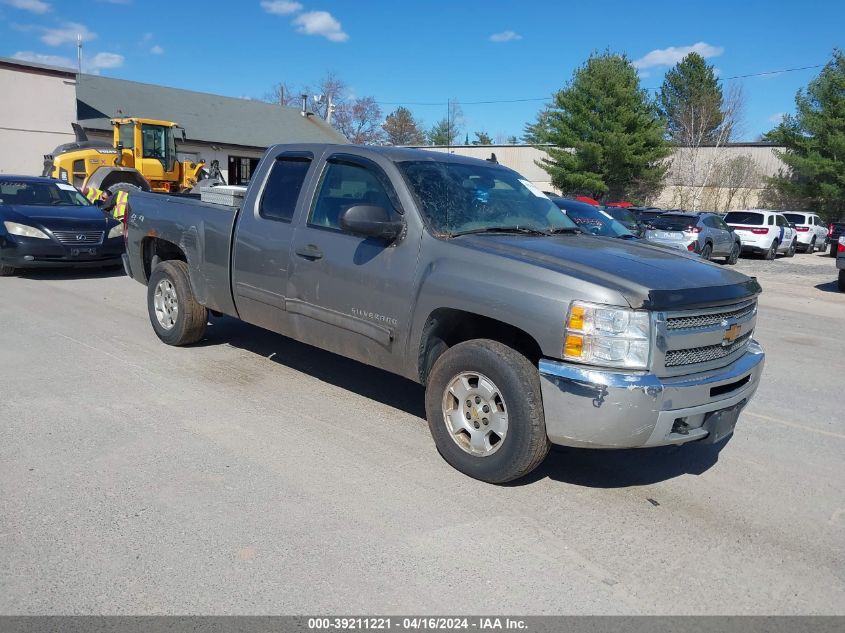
(459, 274)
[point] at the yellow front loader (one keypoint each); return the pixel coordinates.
(142, 156)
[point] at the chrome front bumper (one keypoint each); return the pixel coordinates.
(612, 409)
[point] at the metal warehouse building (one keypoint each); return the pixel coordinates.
(38, 103)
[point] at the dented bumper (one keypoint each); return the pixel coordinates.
(596, 408)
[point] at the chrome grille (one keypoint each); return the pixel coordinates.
(79, 237)
(708, 320)
(676, 358)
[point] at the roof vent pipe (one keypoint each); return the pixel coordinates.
(304, 105)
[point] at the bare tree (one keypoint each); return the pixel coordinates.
(283, 94)
(735, 179)
(700, 148)
(361, 121)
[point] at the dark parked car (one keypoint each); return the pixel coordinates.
(626, 218)
(835, 230)
(646, 214)
(592, 219)
(48, 223)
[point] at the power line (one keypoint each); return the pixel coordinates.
(529, 99)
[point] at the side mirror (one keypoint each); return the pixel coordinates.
(372, 221)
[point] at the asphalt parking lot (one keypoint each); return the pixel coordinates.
(253, 474)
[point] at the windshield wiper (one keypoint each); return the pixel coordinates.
(565, 229)
(502, 229)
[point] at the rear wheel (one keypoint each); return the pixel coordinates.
(811, 247)
(772, 252)
(733, 258)
(842, 280)
(706, 252)
(175, 315)
(485, 411)
(6, 271)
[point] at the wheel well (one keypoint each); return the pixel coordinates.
(155, 250)
(130, 177)
(447, 327)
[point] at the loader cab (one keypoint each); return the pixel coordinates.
(149, 146)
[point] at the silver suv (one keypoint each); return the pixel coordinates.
(703, 233)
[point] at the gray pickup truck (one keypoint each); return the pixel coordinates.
(459, 274)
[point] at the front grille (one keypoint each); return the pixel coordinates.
(708, 320)
(695, 355)
(79, 237)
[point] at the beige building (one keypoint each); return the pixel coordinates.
(707, 178)
(37, 106)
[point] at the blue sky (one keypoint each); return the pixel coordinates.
(419, 52)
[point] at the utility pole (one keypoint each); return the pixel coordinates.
(448, 126)
(79, 53)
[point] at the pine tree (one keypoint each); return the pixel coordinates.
(690, 101)
(402, 129)
(607, 136)
(814, 139)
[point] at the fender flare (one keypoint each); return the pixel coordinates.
(105, 177)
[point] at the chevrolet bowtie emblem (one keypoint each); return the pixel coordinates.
(731, 334)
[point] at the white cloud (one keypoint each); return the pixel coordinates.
(157, 50)
(321, 23)
(505, 36)
(777, 117)
(280, 7)
(672, 55)
(101, 61)
(66, 34)
(35, 6)
(148, 37)
(50, 60)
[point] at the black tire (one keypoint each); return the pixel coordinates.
(772, 253)
(191, 317)
(6, 271)
(525, 444)
(833, 249)
(842, 280)
(733, 258)
(811, 247)
(790, 252)
(108, 205)
(707, 252)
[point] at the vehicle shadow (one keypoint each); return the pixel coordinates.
(594, 468)
(578, 466)
(830, 286)
(57, 274)
(370, 382)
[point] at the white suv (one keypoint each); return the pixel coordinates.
(812, 231)
(763, 232)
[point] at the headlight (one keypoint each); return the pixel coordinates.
(116, 231)
(25, 231)
(607, 335)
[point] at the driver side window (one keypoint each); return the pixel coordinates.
(345, 185)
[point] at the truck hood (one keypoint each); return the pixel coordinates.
(647, 276)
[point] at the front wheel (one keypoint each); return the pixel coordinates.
(733, 258)
(790, 252)
(485, 411)
(176, 316)
(6, 271)
(773, 251)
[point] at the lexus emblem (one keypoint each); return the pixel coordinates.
(80, 238)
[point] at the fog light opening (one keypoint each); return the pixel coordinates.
(680, 426)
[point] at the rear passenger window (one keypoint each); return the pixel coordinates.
(345, 185)
(278, 202)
